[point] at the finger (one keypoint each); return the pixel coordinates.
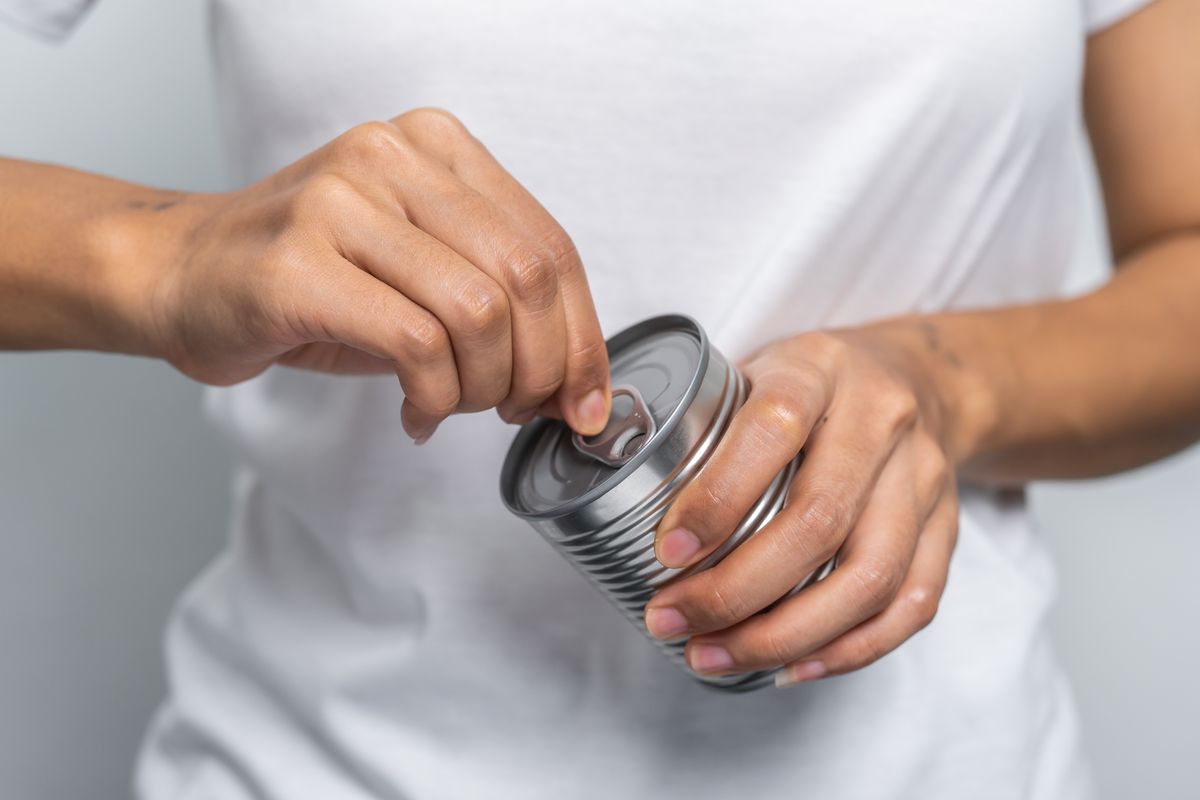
(470, 306)
(351, 307)
(871, 566)
(584, 399)
(827, 495)
(913, 608)
(468, 223)
(766, 433)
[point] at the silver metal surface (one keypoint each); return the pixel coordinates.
(601, 515)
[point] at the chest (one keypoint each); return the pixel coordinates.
(722, 64)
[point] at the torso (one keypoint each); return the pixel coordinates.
(381, 627)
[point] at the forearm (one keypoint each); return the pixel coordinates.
(77, 257)
(1074, 388)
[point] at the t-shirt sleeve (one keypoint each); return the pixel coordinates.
(50, 19)
(1099, 14)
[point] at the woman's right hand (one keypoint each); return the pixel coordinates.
(400, 245)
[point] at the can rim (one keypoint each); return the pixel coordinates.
(530, 433)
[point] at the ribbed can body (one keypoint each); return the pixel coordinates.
(606, 528)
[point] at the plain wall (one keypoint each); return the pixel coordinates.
(113, 490)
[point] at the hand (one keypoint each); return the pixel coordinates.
(402, 246)
(875, 488)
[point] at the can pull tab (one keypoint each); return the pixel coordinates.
(629, 427)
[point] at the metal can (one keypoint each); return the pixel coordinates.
(598, 500)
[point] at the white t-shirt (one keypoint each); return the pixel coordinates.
(380, 627)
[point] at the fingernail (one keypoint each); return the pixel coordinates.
(523, 418)
(677, 547)
(710, 658)
(421, 437)
(799, 673)
(665, 622)
(592, 412)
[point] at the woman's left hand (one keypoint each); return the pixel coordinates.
(876, 489)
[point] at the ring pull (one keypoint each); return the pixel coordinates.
(630, 426)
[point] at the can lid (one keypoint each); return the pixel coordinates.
(657, 366)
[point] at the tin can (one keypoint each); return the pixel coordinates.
(598, 500)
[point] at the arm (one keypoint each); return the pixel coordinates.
(888, 413)
(61, 281)
(1111, 380)
(400, 246)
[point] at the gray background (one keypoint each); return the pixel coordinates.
(113, 491)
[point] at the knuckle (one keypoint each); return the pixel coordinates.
(369, 142)
(443, 401)
(483, 312)
(424, 341)
(706, 509)
(713, 498)
(480, 391)
(437, 133)
(923, 602)
(533, 388)
(824, 347)
(561, 249)
(541, 386)
(534, 383)
(782, 417)
(898, 406)
(877, 580)
(530, 274)
(432, 118)
(326, 193)
(938, 466)
(930, 452)
(826, 518)
(726, 606)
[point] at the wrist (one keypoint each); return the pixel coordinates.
(137, 248)
(957, 399)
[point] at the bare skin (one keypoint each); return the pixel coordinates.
(400, 246)
(889, 413)
(463, 285)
